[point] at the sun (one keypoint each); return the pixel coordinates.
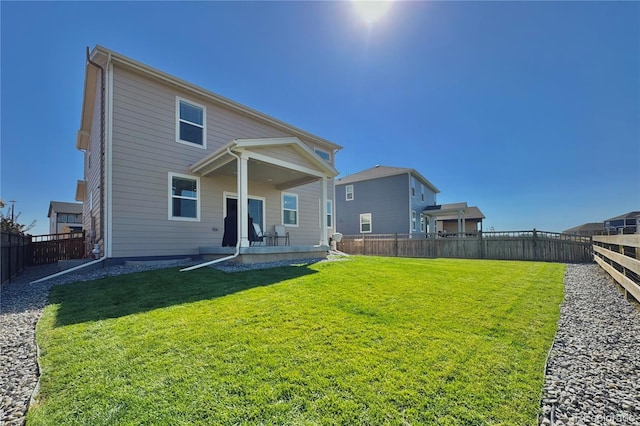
(371, 10)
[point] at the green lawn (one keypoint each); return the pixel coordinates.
(366, 341)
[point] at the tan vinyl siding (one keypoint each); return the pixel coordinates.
(145, 151)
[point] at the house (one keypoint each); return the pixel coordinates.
(383, 200)
(456, 218)
(586, 229)
(166, 161)
(624, 224)
(64, 217)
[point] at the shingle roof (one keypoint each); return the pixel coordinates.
(64, 207)
(591, 226)
(384, 171)
(629, 215)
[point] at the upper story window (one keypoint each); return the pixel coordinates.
(191, 125)
(290, 209)
(422, 191)
(184, 201)
(413, 186)
(348, 190)
(323, 154)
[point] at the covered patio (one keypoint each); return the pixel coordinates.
(283, 164)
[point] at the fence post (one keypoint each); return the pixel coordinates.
(481, 251)
(395, 245)
(535, 244)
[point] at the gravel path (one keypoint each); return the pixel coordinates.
(593, 371)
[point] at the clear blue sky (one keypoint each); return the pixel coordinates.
(530, 111)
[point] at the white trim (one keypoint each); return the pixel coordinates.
(285, 164)
(204, 123)
(346, 192)
(297, 210)
(108, 181)
(370, 223)
(170, 197)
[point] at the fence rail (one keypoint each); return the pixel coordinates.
(512, 245)
(619, 256)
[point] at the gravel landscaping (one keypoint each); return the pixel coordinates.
(592, 376)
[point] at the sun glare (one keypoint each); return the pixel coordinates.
(370, 10)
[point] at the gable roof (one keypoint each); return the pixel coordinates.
(102, 55)
(64, 207)
(384, 171)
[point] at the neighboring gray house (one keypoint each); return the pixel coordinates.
(165, 162)
(383, 200)
(628, 223)
(586, 229)
(64, 217)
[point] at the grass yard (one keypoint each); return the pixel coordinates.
(365, 341)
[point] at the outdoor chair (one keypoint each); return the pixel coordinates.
(260, 236)
(280, 233)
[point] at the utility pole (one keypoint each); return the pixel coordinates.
(13, 206)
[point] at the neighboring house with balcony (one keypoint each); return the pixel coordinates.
(64, 217)
(383, 200)
(165, 161)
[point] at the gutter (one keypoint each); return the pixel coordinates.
(238, 224)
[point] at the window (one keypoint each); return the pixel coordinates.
(184, 201)
(62, 218)
(329, 214)
(323, 154)
(422, 191)
(413, 219)
(190, 123)
(349, 192)
(422, 228)
(290, 209)
(413, 186)
(365, 222)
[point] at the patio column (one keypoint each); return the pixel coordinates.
(324, 239)
(243, 201)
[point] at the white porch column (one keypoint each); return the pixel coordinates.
(243, 202)
(324, 238)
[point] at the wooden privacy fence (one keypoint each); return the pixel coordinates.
(19, 251)
(16, 254)
(619, 255)
(513, 245)
(53, 247)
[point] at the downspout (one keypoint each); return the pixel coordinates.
(102, 149)
(66, 271)
(239, 225)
